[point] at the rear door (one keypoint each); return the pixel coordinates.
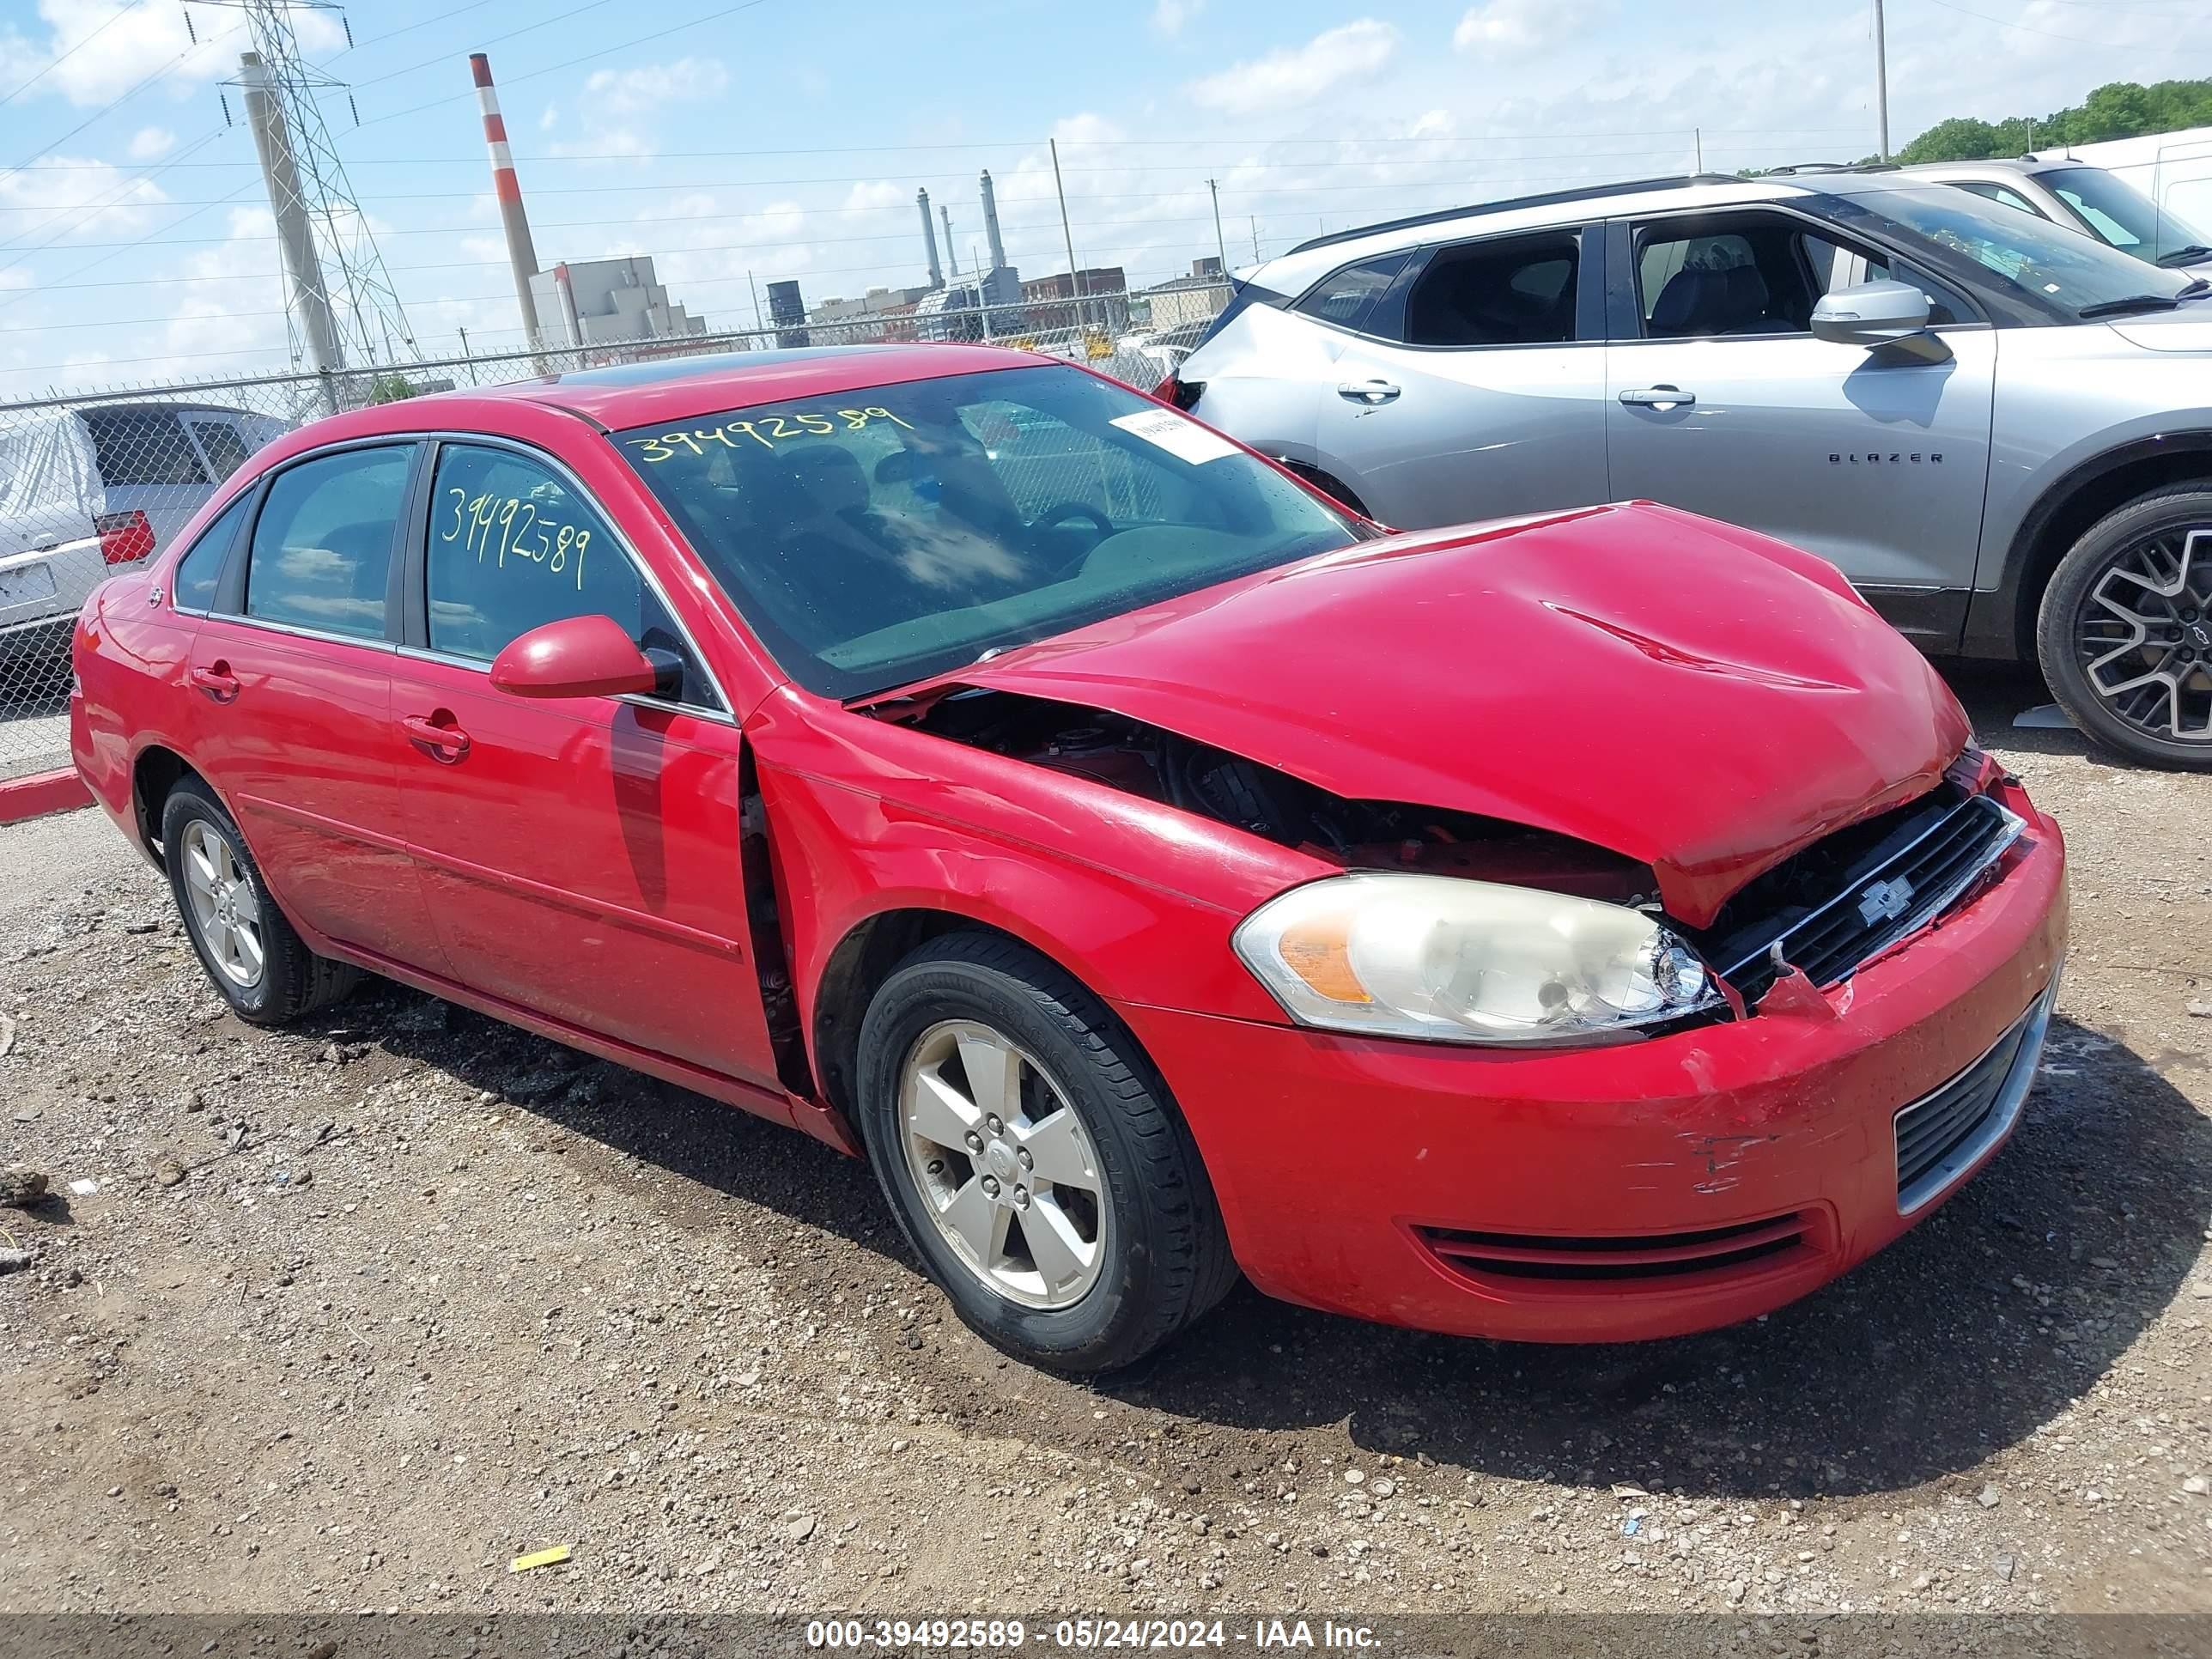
(581, 854)
(1723, 403)
(149, 465)
(1475, 387)
(290, 676)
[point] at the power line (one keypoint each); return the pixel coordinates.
(2048, 34)
(121, 98)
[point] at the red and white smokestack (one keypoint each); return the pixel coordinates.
(508, 189)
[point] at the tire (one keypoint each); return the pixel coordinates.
(288, 979)
(1161, 1255)
(2162, 539)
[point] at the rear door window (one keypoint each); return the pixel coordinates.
(143, 447)
(1515, 291)
(321, 556)
(201, 569)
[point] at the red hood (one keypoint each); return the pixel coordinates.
(1699, 697)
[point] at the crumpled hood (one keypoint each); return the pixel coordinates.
(1699, 697)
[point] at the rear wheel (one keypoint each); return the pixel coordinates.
(1033, 1160)
(264, 970)
(2124, 633)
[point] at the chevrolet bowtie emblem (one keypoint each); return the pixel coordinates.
(1885, 900)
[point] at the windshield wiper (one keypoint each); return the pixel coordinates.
(2186, 256)
(2132, 302)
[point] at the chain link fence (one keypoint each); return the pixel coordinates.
(96, 483)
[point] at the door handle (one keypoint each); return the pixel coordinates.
(1659, 397)
(1367, 392)
(217, 680)
(441, 740)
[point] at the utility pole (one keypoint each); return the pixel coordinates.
(759, 322)
(1697, 139)
(1068, 236)
(309, 307)
(1219, 242)
(1881, 77)
(1256, 239)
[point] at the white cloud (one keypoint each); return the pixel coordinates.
(151, 143)
(70, 196)
(641, 90)
(1169, 17)
(550, 118)
(1296, 74)
(1504, 28)
(135, 42)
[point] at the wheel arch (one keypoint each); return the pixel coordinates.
(861, 961)
(155, 772)
(2063, 513)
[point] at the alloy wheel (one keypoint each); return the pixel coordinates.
(2143, 636)
(1004, 1168)
(227, 914)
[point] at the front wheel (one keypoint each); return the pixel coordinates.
(1033, 1160)
(2124, 633)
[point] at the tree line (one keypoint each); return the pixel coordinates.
(2124, 109)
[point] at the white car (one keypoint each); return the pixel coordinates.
(2082, 197)
(82, 490)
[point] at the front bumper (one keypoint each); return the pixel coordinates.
(1623, 1193)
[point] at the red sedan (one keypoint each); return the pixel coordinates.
(1588, 926)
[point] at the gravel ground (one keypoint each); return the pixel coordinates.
(360, 1312)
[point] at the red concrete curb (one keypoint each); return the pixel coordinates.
(40, 794)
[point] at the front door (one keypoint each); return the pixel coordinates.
(581, 854)
(291, 672)
(1721, 401)
(1474, 395)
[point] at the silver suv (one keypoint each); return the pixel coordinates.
(2000, 430)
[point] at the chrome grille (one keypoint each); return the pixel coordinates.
(1931, 860)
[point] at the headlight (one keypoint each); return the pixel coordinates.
(1456, 961)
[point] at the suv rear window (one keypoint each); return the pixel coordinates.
(135, 447)
(1518, 292)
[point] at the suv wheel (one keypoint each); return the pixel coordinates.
(264, 970)
(1033, 1160)
(2125, 629)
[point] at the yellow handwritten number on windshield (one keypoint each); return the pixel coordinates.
(766, 430)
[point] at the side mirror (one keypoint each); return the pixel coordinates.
(576, 657)
(1871, 315)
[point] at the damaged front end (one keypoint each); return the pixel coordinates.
(1776, 946)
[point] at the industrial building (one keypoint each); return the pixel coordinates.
(599, 301)
(1184, 300)
(1096, 297)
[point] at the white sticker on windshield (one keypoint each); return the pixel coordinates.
(1186, 441)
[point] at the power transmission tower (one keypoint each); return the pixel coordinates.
(363, 307)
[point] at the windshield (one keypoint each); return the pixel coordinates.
(875, 538)
(2060, 270)
(2124, 215)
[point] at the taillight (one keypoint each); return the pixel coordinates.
(125, 537)
(1183, 394)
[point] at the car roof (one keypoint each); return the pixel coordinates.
(678, 388)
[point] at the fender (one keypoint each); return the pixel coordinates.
(2001, 621)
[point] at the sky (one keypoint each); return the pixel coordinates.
(741, 143)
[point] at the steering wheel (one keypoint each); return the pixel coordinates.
(1059, 513)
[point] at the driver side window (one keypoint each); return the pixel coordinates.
(511, 547)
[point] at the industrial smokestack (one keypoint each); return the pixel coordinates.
(991, 223)
(929, 240)
(303, 270)
(519, 253)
